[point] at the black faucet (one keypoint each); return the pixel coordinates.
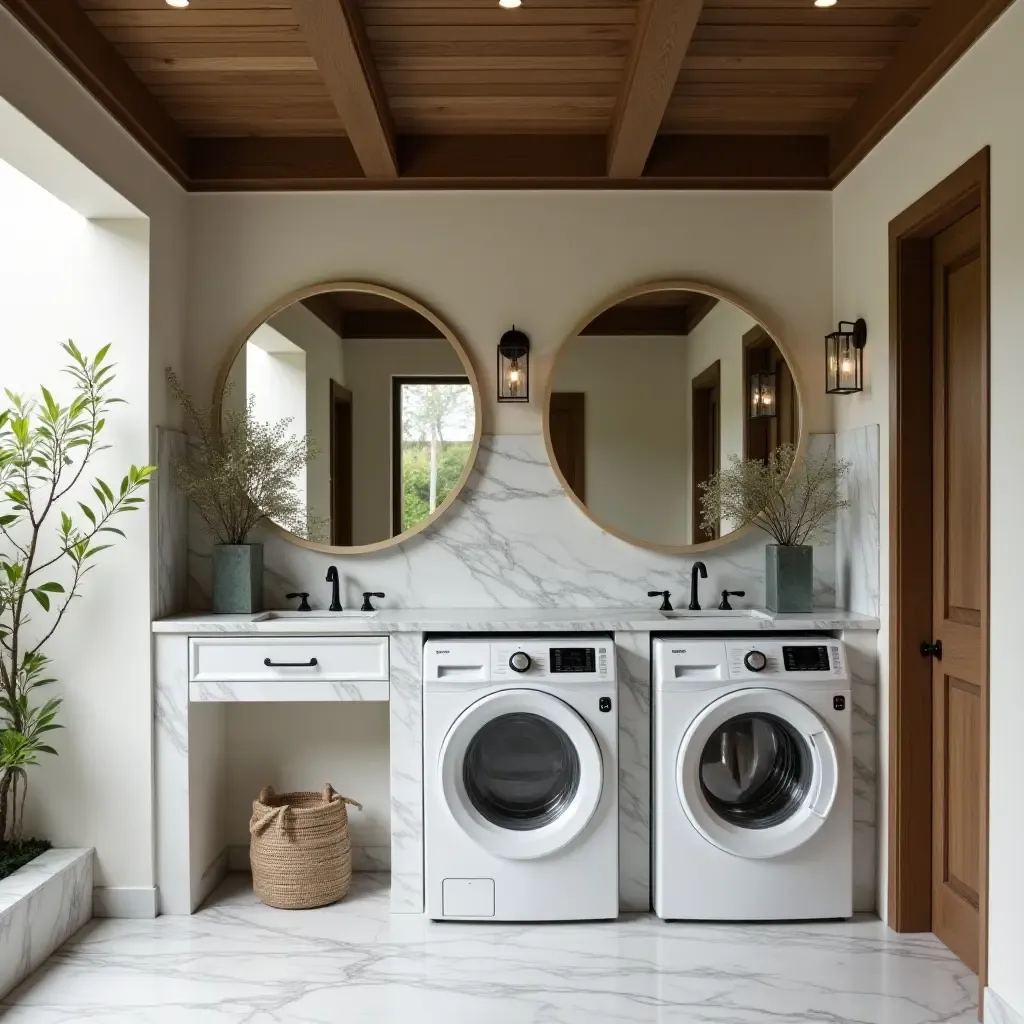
(332, 578)
(703, 570)
(666, 604)
(726, 594)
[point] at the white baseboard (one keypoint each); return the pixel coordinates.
(998, 1011)
(364, 858)
(124, 901)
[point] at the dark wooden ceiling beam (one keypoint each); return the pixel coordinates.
(943, 36)
(663, 32)
(336, 36)
(68, 34)
(512, 161)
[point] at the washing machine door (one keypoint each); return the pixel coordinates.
(757, 773)
(521, 773)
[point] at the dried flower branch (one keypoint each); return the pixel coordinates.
(789, 499)
(244, 472)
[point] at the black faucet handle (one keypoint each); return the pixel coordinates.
(367, 594)
(666, 604)
(303, 597)
(726, 594)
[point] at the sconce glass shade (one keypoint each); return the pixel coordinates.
(763, 396)
(844, 358)
(514, 367)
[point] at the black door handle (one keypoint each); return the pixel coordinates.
(932, 650)
(290, 664)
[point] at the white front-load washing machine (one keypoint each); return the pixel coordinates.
(752, 779)
(520, 745)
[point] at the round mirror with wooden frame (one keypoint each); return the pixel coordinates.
(388, 396)
(654, 392)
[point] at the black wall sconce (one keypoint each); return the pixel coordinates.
(844, 358)
(514, 367)
(764, 402)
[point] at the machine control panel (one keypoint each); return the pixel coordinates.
(565, 660)
(805, 658)
(683, 660)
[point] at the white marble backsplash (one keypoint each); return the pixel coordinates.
(857, 529)
(514, 539)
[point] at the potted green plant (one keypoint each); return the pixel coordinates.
(789, 498)
(45, 553)
(239, 472)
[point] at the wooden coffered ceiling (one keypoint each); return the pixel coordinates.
(267, 94)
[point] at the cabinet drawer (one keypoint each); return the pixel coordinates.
(343, 659)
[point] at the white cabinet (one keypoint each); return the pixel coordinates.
(288, 668)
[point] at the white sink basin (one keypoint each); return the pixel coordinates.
(714, 613)
(318, 614)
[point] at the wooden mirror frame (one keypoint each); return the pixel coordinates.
(417, 307)
(631, 293)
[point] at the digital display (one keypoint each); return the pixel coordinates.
(805, 659)
(573, 659)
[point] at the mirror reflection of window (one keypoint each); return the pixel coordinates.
(648, 401)
(386, 398)
(432, 433)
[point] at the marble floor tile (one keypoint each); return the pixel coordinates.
(237, 960)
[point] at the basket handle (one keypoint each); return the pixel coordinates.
(329, 795)
(259, 824)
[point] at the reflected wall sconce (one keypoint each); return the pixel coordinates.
(764, 402)
(844, 358)
(514, 367)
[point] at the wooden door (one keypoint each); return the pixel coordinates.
(960, 584)
(341, 464)
(568, 438)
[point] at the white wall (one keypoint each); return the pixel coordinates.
(61, 277)
(370, 364)
(99, 791)
(324, 362)
(977, 104)
(637, 436)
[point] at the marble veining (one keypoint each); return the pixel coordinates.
(239, 961)
(857, 527)
(998, 1011)
(514, 539)
(41, 906)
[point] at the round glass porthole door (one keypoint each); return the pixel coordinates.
(757, 773)
(522, 773)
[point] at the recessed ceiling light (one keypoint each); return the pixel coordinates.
(178, 3)
(825, 3)
(510, 3)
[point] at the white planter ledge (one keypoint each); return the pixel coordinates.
(41, 906)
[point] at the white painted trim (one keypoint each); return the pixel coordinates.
(124, 901)
(41, 906)
(998, 1011)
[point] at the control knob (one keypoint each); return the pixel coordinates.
(519, 662)
(755, 661)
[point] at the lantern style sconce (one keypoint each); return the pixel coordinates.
(844, 358)
(763, 396)
(514, 367)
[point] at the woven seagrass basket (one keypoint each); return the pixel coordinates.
(299, 848)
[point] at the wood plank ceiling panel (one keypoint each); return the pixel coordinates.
(452, 66)
(222, 67)
(784, 66)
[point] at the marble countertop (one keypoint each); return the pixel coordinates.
(514, 620)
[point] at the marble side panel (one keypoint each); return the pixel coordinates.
(862, 654)
(172, 526)
(999, 1011)
(289, 690)
(857, 527)
(515, 540)
(406, 731)
(41, 906)
(633, 652)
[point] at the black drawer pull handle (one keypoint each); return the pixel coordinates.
(290, 664)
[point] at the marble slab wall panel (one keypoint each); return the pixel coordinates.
(862, 656)
(633, 652)
(512, 540)
(999, 1011)
(172, 527)
(857, 527)
(406, 729)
